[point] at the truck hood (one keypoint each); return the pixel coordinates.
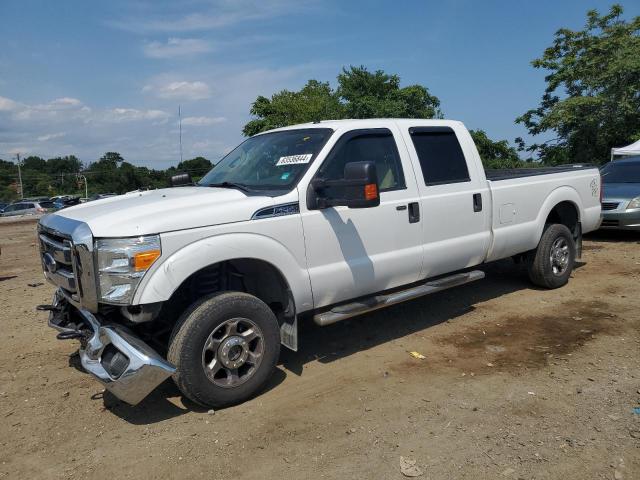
(158, 211)
(623, 191)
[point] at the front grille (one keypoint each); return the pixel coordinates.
(610, 223)
(610, 205)
(57, 260)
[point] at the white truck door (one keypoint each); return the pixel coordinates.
(354, 252)
(454, 198)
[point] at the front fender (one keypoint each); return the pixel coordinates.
(164, 279)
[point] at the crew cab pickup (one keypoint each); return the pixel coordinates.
(325, 221)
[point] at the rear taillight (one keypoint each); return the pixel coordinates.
(601, 189)
(41, 210)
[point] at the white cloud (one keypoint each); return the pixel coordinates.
(6, 104)
(146, 133)
(118, 115)
(202, 121)
(219, 14)
(177, 47)
(64, 102)
(51, 136)
(180, 90)
(50, 111)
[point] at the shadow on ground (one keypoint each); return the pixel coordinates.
(613, 236)
(331, 343)
(164, 402)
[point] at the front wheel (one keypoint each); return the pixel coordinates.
(225, 348)
(551, 264)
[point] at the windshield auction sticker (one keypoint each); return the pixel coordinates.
(294, 159)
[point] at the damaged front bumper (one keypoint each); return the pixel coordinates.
(123, 363)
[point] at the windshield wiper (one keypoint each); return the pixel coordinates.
(239, 186)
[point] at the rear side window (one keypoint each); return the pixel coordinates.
(440, 155)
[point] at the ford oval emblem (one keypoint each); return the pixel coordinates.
(49, 263)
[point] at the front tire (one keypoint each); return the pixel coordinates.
(225, 348)
(551, 264)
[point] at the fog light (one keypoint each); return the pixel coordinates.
(114, 361)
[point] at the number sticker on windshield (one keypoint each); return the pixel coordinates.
(294, 159)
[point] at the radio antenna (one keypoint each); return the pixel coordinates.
(180, 129)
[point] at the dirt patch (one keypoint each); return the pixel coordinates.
(557, 402)
(530, 340)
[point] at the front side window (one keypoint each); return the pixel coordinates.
(441, 158)
(272, 161)
(376, 145)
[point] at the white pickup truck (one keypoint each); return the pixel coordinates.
(325, 220)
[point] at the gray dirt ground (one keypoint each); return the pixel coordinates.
(516, 383)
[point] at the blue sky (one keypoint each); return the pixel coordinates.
(82, 78)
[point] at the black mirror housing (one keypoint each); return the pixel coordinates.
(358, 189)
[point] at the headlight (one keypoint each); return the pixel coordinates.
(635, 203)
(121, 264)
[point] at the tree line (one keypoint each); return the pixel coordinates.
(591, 103)
(67, 176)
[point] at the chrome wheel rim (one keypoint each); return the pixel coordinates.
(233, 352)
(559, 256)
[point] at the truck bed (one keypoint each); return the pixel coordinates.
(497, 174)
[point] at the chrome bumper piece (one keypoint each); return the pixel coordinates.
(145, 369)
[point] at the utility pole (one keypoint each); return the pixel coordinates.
(86, 187)
(20, 176)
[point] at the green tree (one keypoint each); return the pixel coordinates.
(316, 101)
(360, 94)
(497, 154)
(591, 101)
(197, 167)
(378, 95)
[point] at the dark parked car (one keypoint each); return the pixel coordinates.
(2, 206)
(64, 202)
(621, 198)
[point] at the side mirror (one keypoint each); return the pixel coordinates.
(181, 180)
(358, 189)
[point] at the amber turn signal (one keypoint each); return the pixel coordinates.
(143, 260)
(370, 191)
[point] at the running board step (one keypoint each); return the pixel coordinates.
(342, 312)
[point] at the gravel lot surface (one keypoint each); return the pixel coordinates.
(516, 383)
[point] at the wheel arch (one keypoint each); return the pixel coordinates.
(563, 206)
(165, 278)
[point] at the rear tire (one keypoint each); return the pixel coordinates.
(225, 348)
(551, 263)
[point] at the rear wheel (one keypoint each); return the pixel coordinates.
(551, 264)
(225, 348)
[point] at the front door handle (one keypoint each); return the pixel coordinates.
(477, 202)
(414, 212)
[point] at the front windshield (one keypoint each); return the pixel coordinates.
(621, 172)
(272, 161)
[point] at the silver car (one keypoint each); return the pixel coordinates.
(24, 208)
(621, 196)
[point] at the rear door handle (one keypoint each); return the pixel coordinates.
(477, 202)
(414, 212)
